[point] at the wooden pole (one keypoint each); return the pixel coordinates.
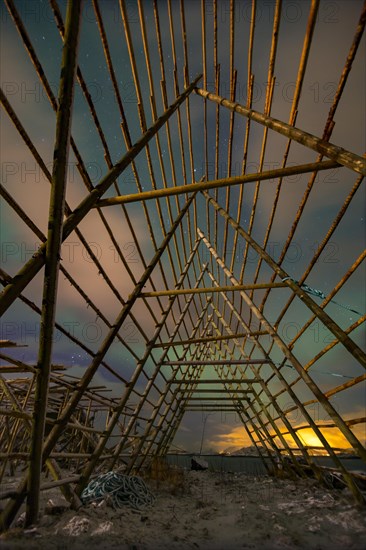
(121, 444)
(52, 255)
(167, 389)
(307, 379)
(214, 390)
(124, 399)
(241, 410)
(207, 290)
(211, 339)
(35, 264)
(175, 408)
(341, 336)
(51, 464)
(215, 184)
(218, 381)
(13, 507)
(204, 399)
(218, 362)
(342, 156)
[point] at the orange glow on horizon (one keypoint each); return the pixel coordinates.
(238, 438)
(334, 437)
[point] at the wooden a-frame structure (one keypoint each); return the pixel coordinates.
(203, 307)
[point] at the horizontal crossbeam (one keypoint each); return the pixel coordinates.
(214, 184)
(212, 339)
(217, 362)
(212, 398)
(213, 381)
(227, 288)
(213, 390)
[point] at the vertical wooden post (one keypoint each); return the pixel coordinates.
(52, 258)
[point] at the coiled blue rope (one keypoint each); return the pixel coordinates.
(123, 490)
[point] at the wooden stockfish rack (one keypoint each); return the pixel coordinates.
(194, 310)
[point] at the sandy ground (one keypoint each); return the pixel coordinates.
(206, 510)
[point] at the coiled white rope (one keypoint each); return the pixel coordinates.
(122, 489)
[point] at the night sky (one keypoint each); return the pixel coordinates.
(27, 184)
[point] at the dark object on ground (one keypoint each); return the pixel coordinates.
(198, 463)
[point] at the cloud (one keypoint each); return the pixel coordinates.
(237, 437)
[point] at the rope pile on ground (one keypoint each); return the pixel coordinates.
(121, 489)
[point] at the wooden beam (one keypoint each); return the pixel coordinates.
(213, 390)
(342, 156)
(209, 409)
(217, 362)
(218, 381)
(211, 339)
(164, 393)
(53, 254)
(35, 264)
(11, 344)
(228, 288)
(334, 328)
(120, 406)
(232, 399)
(304, 375)
(214, 184)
